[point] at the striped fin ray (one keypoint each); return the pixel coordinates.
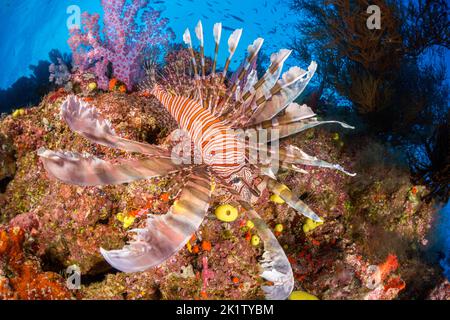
(199, 34)
(273, 73)
(285, 91)
(275, 264)
(86, 121)
(270, 77)
(217, 32)
(252, 53)
(294, 155)
(292, 199)
(295, 112)
(252, 79)
(288, 129)
(233, 42)
(188, 41)
(164, 235)
(293, 167)
(87, 170)
(212, 94)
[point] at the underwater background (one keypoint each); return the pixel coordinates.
(395, 214)
(33, 28)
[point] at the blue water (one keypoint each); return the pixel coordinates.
(443, 235)
(31, 28)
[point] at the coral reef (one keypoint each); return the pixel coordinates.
(130, 28)
(367, 219)
(21, 276)
(60, 69)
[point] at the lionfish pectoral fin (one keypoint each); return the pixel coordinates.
(165, 235)
(286, 130)
(87, 170)
(292, 199)
(294, 155)
(275, 264)
(88, 122)
(290, 86)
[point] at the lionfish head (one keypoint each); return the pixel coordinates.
(242, 182)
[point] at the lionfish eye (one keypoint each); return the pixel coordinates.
(236, 180)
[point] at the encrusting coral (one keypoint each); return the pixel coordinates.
(21, 277)
(70, 223)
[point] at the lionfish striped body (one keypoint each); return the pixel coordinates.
(218, 145)
(208, 107)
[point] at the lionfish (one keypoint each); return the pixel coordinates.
(208, 107)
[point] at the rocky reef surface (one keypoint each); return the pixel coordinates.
(372, 244)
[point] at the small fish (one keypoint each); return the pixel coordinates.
(273, 30)
(237, 18)
(227, 28)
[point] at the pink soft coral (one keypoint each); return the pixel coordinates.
(123, 43)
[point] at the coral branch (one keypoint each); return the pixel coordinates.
(123, 43)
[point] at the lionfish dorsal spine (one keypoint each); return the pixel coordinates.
(271, 76)
(217, 32)
(188, 41)
(233, 42)
(252, 53)
(199, 34)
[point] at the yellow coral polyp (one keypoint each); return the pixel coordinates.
(255, 240)
(276, 199)
(249, 224)
(92, 86)
(189, 246)
(126, 220)
(336, 136)
(226, 213)
(18, 112)
(120, 216)
(311, 225)
(278, 227)
(302, 295)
